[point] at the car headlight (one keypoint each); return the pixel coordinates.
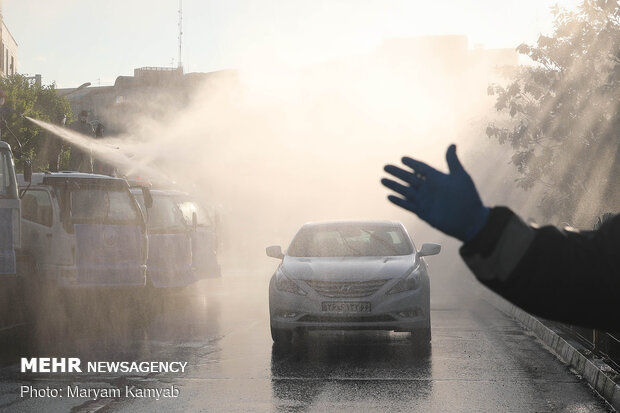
(411, 282)
(285, 284)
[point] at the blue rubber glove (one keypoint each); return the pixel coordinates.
(448, 202)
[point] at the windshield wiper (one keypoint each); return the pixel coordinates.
(382, 241)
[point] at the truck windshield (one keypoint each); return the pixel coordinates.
(102, 204)
(165, 215)
(8, 184)
(188, 207)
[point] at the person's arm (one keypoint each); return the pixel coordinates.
(561, 275)
(567, 276)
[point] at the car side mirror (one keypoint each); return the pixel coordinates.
(27, 171)
(275, 251)
(148, 198)
(429, 249)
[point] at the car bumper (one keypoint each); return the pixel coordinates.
(355, 324)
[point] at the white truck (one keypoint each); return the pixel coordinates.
(182, 238)
(169, 264)
(83, 231)
(203, 233)
(12, 311)
(9, 211)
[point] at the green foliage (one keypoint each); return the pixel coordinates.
(22, 96)
(562, 114)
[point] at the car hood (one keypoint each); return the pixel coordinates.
(347, 268)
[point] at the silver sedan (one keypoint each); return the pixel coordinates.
(351, 275)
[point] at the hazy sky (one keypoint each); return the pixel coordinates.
(77, 41)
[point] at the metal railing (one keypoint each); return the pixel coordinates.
(604, 343)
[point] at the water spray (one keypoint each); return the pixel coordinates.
(102, 150)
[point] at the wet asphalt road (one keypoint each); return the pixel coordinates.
(480, 360)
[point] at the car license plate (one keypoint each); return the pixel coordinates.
(345, 307)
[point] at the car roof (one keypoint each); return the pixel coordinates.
(385, 223)
(4, 145)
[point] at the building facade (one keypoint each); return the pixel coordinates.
(8, 48)
(152, 92)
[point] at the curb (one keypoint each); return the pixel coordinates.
(594, 371)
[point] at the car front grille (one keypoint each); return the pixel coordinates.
(346, 289)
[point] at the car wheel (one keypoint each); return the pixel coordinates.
(421, 336)
(280, 336)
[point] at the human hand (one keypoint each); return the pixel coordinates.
(448, 202)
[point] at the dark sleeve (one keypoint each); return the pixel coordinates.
(566, 276)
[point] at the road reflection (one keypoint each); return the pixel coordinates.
(116, 327)
(339, 366)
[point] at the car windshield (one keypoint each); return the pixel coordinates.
(103, 204)
(350, 241)
(165, 214)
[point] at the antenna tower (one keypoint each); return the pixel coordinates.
(180, 62)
